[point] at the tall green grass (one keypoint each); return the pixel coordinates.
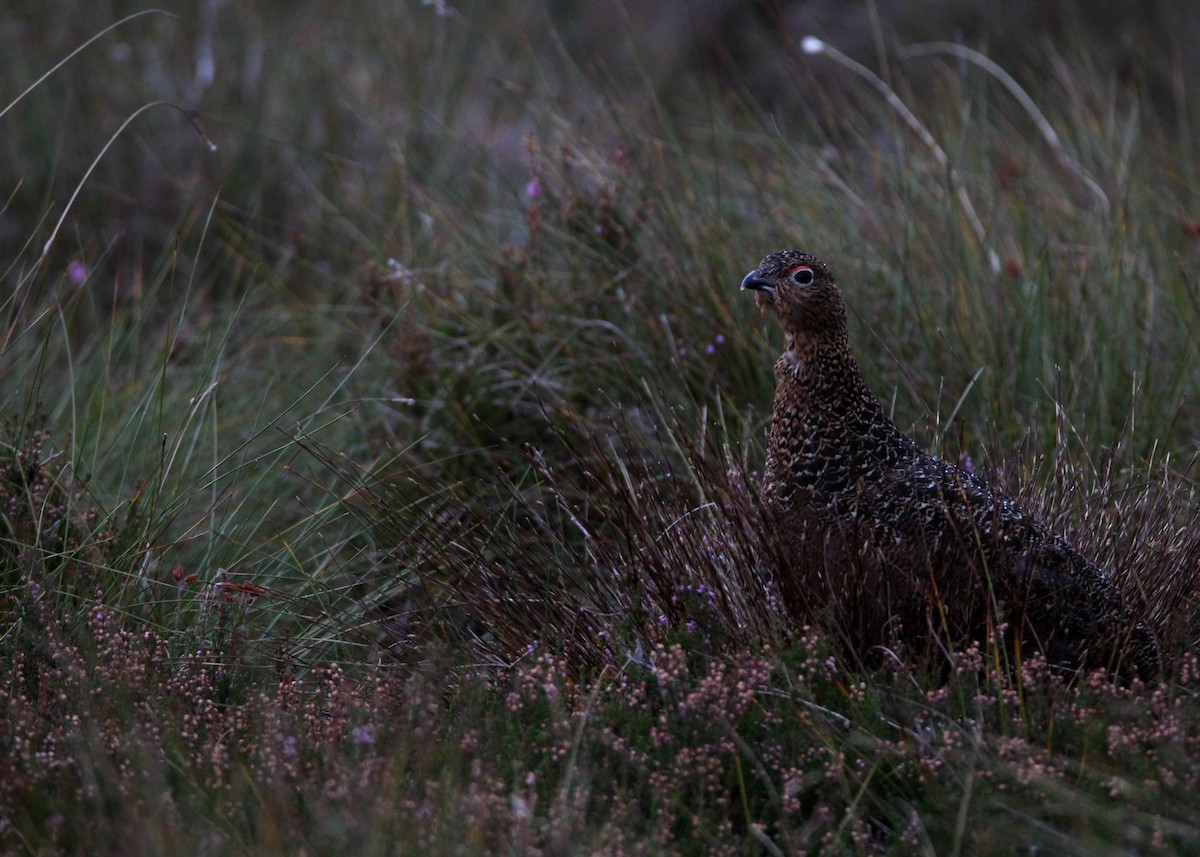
(387, 477)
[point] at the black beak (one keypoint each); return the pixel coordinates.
(756, 283)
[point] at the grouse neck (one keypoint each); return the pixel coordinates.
(813, 360)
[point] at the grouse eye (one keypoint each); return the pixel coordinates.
(803, 275)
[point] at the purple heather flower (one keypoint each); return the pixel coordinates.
(77, 273)
(533, 189)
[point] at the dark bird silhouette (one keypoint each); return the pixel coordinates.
(900, 537)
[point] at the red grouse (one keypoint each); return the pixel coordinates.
(847, 486)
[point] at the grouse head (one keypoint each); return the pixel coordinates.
(799, 289)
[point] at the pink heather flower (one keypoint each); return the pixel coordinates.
(533, 189)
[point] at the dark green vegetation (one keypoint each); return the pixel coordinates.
(383, 481)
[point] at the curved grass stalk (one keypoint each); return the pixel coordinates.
(103, 151)
(79, 50)
(813, 45)
(1006, 80)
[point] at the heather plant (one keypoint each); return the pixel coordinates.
(783, 750)
(386, 480)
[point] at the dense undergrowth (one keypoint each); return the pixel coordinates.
(385, 480)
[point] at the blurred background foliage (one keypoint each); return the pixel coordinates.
(333, 123)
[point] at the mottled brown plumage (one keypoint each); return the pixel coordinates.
(908, 533)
